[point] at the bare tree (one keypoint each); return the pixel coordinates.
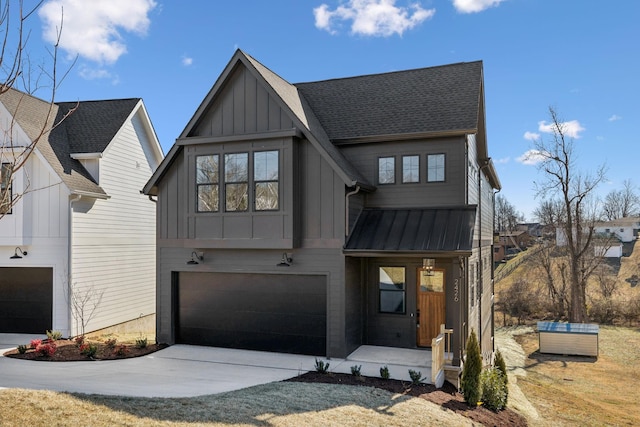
(19, 79)
(550, 212)
(575, 190)
(84, 305)
(555, 279)
(621, 203)
(507, 217)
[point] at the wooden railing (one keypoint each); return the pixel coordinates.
(448, 354)
(437, 359)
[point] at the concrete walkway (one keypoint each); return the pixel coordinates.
(187, 371)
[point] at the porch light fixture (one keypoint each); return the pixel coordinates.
(428, 264)
(285, 261)
(16, 256)
(195, 258)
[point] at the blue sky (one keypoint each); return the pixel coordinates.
(580, 56)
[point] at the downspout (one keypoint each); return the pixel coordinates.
(346, 209)
(72, 199)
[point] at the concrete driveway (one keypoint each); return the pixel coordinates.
(178, 371)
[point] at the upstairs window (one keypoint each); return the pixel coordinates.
(228, 180)
(265, 178)
(236, 182)
(208, 188)
(435, 167)
(410, 169)
(386, 170)
(6, 195)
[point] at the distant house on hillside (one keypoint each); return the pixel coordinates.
(535, 229)
(509, 243)
(626, 229)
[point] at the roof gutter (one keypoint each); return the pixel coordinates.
(402, 136)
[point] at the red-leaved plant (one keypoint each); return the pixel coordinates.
(47, 349)
(79, 340)
(35, 343)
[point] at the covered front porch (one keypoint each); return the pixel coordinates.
(412, 268)
(435, 364)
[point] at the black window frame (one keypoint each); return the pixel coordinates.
(399, 291)
(256, 181)
(444, 168)
(202, 184)
(393, 174)
(239, 183)
(417, 168)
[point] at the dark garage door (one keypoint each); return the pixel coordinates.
(26, 299)
(282, 313)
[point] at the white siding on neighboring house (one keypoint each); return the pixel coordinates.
(114, 239)
(614, 251)
(40, 227)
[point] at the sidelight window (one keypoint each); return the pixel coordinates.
(392, 288)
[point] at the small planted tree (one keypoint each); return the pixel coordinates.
(501, 366)
(471, 371)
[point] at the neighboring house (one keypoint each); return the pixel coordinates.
(317, 217)
(535, 229)
(84, 230)
(626, 229)
(510, 243)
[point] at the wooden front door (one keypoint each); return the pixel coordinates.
(430, 305)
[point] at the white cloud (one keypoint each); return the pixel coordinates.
(531, 136)
(92, 29)
(89, 73)
(474, 6)
(187, 60)
(502, 161)
(381, 18)
(533, 157)
(614, 118)
(571, 128)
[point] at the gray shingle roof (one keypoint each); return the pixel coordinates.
(95, 123)
(87, 130)
(443, 98)
(300, 108)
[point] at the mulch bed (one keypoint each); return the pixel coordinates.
(447, 396)
(68, 351)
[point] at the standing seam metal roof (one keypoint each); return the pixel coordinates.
(413, 230)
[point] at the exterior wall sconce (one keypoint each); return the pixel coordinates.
(195, 258)
(286, 260)
(16, 256)
(428, 264)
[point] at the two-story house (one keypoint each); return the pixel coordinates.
(77, 250)
(317, 217)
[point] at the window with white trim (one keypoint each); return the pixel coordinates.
(6, 195)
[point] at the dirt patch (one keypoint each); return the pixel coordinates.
(447, 396)
(69, 351)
